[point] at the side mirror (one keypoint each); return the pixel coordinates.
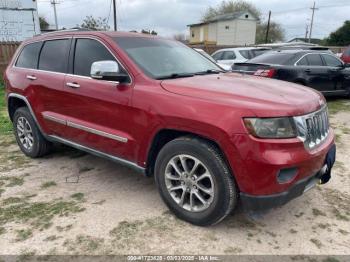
(346, 65)
(108, 70)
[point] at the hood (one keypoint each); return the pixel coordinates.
(264, 97)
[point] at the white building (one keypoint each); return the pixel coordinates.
(19, 20)
(237, 28)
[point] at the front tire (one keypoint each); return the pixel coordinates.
(195, 182)
(31, 142)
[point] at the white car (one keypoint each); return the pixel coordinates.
(205, 54)
(226, 58)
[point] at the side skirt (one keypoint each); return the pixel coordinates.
(97, 153)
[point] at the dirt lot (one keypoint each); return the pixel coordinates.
(74, 203)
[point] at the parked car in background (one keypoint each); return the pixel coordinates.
(229, 56)
(205, 54)
(210, 138)
(346, 56)
(320, 70)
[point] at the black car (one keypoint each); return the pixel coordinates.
(320, 70)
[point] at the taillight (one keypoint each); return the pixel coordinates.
(265, 72)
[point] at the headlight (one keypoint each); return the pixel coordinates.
(271, 127)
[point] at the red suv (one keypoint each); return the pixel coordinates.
(346, 56)
(210, 138)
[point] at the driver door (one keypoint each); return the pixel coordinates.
(97, 111)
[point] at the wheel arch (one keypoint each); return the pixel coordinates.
(163, 136)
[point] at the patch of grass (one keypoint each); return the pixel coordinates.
(2, 230)
(64, 229)
(12, 200)
(78, 196)
(339, 215)
(5, 122)
(316, 212)
(86, 244)
(316, 242)
(343, 232)
(330, 259)
(1, 191)
(51, 238)
(39, 214)
(12, 181)
(23, 234)
(345, 130)
(293, 231)
(339, 105)
(48, 184)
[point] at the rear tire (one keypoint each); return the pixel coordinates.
(195, 182)
(29, 138)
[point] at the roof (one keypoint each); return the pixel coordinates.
(303, 40)
(243, 48)
(225, 17)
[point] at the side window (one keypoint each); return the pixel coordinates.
(88, 51)
(303, 62)
(229, 55)
(332, 61)
(246, 54)
(29, 56)
(218, 56)
(54, 56)
(314, 60)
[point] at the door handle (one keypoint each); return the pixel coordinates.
(31, 77)
(308, 70)
(73, 85)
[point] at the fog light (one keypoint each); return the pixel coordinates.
(286, 175)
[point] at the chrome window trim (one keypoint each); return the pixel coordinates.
(296, 63)
(33, 42)
(68, 74)
(97, 132)
(96, 152)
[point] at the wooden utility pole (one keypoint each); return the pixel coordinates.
(115, 15)
(54, 3)
(268, 28)
(312, 20)
(307, 33)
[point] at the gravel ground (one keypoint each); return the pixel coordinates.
(75, 203)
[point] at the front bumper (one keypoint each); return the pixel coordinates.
(263, 202)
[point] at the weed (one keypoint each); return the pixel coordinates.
(316, 212)
(48, 184)
(316, 242)
(78, 196)
(23, 234)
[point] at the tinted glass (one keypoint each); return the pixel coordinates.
(245, 53)
(303, 62)
(314, 60)
(53, 56)
(258, 52)
(218, 56)
(273, 58)
(162, 58)
(228, 55)
(29, 56)
(88, 51)
(332, 61)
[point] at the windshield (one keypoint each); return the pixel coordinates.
(161, 58)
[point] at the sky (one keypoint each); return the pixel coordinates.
(170, 17)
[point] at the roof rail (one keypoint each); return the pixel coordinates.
(74, 29)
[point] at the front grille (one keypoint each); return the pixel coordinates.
(313, 128)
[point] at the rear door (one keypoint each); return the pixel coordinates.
(335, 68)
(98, 112)
(39, 71)
(316, 73)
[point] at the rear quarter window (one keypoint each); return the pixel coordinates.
(273, 59)
(29, 55)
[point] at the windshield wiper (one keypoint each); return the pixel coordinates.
(209, 72)
(176, 75)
